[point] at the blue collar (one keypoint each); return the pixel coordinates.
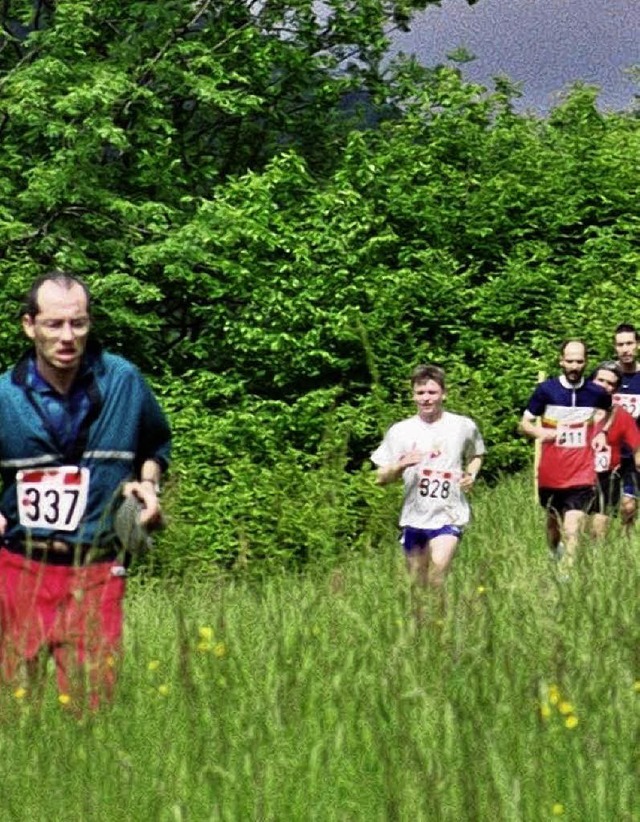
(34, 380)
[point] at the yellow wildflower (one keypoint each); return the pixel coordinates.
(203, 647)
(636, 686)
(565, 708)
(481, 589)
(571, 721)
(64, 699)
(553, 694)
(205, 633)
(545, 710)
(163, 689)
(220, 649)
(153, 665)
(557, 809)
(20, 693)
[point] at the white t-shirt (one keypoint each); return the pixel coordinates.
(432, 495)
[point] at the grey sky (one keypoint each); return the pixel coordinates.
(543, 44)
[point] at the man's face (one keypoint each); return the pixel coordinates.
(573, 361)
(626, 346)
(428, 397)
(59, 330)
(606, 379)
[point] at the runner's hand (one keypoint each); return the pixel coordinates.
(151, 514)
(599, 442)
(412, 457)
(467, 481)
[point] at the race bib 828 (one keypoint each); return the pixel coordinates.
(438, 485)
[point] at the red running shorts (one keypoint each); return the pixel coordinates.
(71, 612)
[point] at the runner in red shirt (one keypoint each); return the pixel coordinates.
(627, 394)
(621, 430)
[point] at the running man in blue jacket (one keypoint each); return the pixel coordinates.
(79, 428)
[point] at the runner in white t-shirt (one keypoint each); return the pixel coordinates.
(438, 455)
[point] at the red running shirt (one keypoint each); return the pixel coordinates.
(623, 431)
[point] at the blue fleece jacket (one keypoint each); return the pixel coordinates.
(122, 427)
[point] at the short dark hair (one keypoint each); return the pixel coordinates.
(63, 278)
(423, 373)
(607, 365)
(626, 328)
(573, 340)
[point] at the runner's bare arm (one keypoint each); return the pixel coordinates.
(599, 442)
(530, 428)
(393, 472)
(471, 472)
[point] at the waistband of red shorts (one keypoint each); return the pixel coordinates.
(62, 552)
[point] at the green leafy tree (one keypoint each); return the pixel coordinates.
(118, 119)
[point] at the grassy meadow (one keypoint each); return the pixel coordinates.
(337, 693)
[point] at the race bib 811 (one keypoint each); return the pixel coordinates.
(569, 436)
(52, 498)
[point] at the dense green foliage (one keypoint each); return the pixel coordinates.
(333, 695)
(277, 225)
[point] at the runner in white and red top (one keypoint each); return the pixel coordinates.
(566, 476)
(621, 432)
(438, 455)
(627, 395)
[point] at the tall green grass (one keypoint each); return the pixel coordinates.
(338, 693)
